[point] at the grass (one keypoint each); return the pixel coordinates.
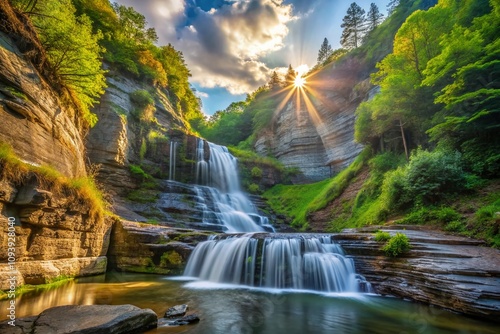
(49, 284)
(297, 201)
(382, 236)
(19, 172)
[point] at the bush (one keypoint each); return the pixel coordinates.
(382, 236)
(141, 98)
(430, 176)
(254, 188)
(397, 245)
(256, 172)
(423, 215)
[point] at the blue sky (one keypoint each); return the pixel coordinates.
(232, 46)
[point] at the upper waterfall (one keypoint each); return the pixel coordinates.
(218, 194)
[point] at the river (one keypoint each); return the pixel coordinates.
(235, 309)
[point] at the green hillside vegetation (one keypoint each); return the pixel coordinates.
(78, 35)
(433, 129)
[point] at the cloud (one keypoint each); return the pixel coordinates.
(202, 94)
(224, 46)
(225, 43)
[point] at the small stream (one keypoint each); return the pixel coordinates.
(235, 309)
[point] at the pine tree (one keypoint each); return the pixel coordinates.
(275, 80)
(373, 17)
(324, 52)
(290, 76)
(354, 27)
(392, 5)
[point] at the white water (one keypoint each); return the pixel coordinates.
(172, 162)
(220, 185)
(282, 263)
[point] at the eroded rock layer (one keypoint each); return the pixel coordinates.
(452, 272)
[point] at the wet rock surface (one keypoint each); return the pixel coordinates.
(452, 272)
(176, 311)
(88, 319)
(148, 248)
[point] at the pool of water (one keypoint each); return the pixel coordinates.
(233, 309)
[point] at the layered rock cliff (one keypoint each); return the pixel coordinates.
(57, 230)
(314, 131)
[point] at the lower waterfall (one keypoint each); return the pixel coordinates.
(303, 263)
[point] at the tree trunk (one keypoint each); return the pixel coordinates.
(404, 138)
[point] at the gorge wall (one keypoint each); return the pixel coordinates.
(318, 137)
(57, 231)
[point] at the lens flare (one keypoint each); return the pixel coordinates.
(299, 82)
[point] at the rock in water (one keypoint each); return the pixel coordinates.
(92, 319)
(187, 320)
(176, 311)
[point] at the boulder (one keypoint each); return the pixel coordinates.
(88, 319)
(187, 320)
(176, 311)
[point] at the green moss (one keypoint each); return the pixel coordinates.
(143, 195)
(49, 284)
(171, 259)
(17, 93)
(382, 236)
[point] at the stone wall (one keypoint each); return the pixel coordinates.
(57, 233)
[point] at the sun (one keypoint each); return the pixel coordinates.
(299, 81)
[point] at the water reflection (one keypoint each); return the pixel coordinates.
(230, 310)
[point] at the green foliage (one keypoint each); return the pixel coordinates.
(426, 215)
(397, 245)
(141, 98)
(353, 25)
(84, 188)
(143, 195)
(324, 51)
(382, 236)
(256, 172)
(254, 188)
(298, 201)
(138, 172)
(72, 48)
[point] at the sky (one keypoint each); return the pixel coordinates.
(231, 47)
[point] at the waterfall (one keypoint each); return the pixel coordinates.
(173, 155)
(219, 193)
(314, 263)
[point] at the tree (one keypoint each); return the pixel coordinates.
(391, 6)
(290, 76)
(354, 27)
(324, 51)
(73, 50)
(275, 80)
(373, 17)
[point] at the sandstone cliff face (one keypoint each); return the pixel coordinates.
(318, 137)
(56, 233)
(40, 128)
(115, 142)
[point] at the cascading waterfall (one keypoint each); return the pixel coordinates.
(267, 261)
(219, 184)
(314, 263)
(172, 162)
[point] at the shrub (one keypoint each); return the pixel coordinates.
(455, 226)
(432, 175)
(397, 245)
(254, 188)
(382, 236)
(141, 98)
(256, 172)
